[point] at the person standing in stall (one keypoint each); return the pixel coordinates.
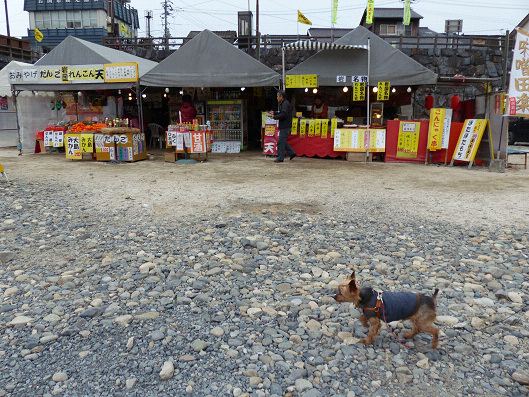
(319, 109)
(188, 111)
(284, 115)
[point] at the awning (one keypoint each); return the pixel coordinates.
(316, 45)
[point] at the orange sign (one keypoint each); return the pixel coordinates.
(198, 142)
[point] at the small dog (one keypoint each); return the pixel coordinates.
(391, 306)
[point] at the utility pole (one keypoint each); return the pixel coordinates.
(167, 10)
(8, 32)
(148, 16)
(7, 20)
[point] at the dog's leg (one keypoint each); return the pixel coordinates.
(414, 320)
(363, 320)
(434, 331)
(374, 330)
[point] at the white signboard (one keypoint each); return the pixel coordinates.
(519, 83)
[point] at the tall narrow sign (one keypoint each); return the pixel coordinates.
(407, 13)
(370, 9)
(519, 83)
(334, 11)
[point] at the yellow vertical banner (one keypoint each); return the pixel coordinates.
(294, 127)
(312, 123)
(435, 130)
(302, 128)
(407, 13)
(317, 127)
(334, 125)
(334, 11)
(359, 91)
(383, 91)
(324, 128)
(369, 11)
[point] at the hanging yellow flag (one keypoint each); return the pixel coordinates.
(334, 11)
(124, 29)
(369, 11)
(407, 13)
(303, 19)
(38, 35)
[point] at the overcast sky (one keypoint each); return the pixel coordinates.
(280, 16)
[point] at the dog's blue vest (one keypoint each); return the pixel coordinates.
(396, 305)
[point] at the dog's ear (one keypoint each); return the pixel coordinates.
(352, 277)
(352, 284)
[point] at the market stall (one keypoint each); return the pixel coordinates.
(359, 87)
(218, 76)
(89, 81)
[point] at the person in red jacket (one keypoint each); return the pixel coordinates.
(188, 111)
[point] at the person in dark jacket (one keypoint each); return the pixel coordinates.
(284, 115)
(188, 111)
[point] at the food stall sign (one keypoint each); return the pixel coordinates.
(58, 74)
(302, 81)
(469, 140)
(383, 91)
(439, 128)
(121, 72)
(359, 91)
(519, 83)
(73, 146)
(359, 79)
(359, 140)
(408, 140)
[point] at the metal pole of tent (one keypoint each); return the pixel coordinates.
(15, 95)
(368, 91)
(284, 72)
(140, 105)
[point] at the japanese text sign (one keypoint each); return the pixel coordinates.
(383, 91)
(519, 82)
(469, 140)
(302, 81)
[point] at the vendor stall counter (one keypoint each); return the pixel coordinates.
(108, 144)
(314, 138)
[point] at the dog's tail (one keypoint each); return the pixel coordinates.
(434, 296)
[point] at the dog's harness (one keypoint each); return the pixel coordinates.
(380, 304)
(376, 309)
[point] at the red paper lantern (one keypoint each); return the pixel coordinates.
(454, 102)
(428, 102)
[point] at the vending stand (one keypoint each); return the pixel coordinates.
(191, 66)
(357, 66)
(77, 68)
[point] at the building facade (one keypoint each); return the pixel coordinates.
(388, 22)
(90, 20)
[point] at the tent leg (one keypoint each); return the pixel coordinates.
(15, 95)
(284, 72)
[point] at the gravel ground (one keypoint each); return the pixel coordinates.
(216, 279)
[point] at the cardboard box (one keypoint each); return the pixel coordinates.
(170, 157)
(359, 157)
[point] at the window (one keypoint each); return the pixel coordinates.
(66, 19)
(73, 19)
(390, 30)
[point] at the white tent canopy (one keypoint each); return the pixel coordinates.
(36, 108)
